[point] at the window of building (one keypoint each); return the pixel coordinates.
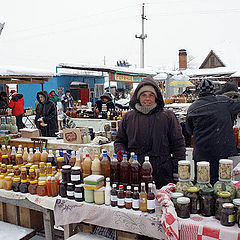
(212, 61)
(99, 90)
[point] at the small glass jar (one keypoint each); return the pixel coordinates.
(19, 160)
(236, 203)
(174, 197)
(76, 175)
(183, 207)
(79, 193)
(3, 169)
(99, 196)
(32, 188)
(2, 180)
(5, 159)
(42, 188)
(203, 172)
(225, 169)
(184, 170)
(228, 215)
(32, 174)
(88, 195)
(16, 184)
(70, 191)
(17, 171)
(193, 194)
(42, 168)
(24, 186)
(60, 162)
(49, 169)
(9, 168)
(24, 174)
(63, 189)
(8, 183)
(223, 197)
(66, 173)
(207, 202)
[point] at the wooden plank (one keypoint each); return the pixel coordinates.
(68, 231)
(49, 224)
(11, 213)
(125, 235)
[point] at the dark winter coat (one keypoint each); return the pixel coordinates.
(209, 120)
(156, 134)
(109, 103)
(3, 104)
(66, 102)
(48, 112)
(17, 104)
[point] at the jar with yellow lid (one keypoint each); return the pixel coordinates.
(42, 188)
(7, 185)
(60, 162)
(28, 166)
(223, 197)
(49, 169)
(23, 173)
(11, 175)
(17, 171)
(54, 171)
(2, 180)
(42, 177)
(42, 167)
(5, 159)
(193, 194)
(3, 169)
(32, 174)
(32, 188)
(24, 186)
(16, 183)
(19, 159)
(9, 168)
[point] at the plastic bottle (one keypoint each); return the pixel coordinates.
(150, 199)
(72, 160)
(96, 166)
(78, 160)
(143, 198)
(66, 158)
(131, 157)
(30, 155)
(44, 155)
(146, 172)
(115, 170)
(20, 150)
(4, 150)
(135, 172)
(51, 158)
(54, 187)
(124, 171)
(49, 189)
(9, 152)
(108, 192)
(37, 156)
(87, 164)
(105, 166)
(13, 156)
(25, 156)
(57, 154)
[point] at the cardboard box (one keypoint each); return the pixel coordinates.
(29, 133)
(74, 135)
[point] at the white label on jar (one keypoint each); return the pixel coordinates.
(77, 195)
(75, 177)
(135, 203)
(114, 198)
(128, 200)
(121, 202)
(70, 193)
(198, 205)
(151, 204)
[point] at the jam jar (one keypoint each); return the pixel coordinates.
(8, 183)
(174, 197)
(42, 188)
(76, 175)
(228, 215)
(223, 197)
(32, 188)
(183, 207)
(16, 170)
(236, 203)
(19, 159)
(79, 193)
(24, 186)
(63, 189)
(207, 202)
(16, 184)
(193, 194)
(66, 173)
(5, 159)
(225, 169)
(203, 172)
(70, 191)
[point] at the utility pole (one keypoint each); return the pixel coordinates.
(142, 37)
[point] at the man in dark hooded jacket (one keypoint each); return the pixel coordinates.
(105, 99)
(209, 120)
(46, 115)
(150, 130)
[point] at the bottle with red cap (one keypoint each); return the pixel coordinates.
(121, 197)
(87, 166)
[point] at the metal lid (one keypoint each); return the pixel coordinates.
(183, 200)
(76, 168)
(207, 190)
(226, 161)
(193, 189)
(203, 164)
(176, 194)
(227, 205)
(236, 201)
(184, 162)
(224, 194)
(66, 167)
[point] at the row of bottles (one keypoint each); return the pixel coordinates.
(9, 123)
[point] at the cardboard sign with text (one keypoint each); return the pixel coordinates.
(74, 135)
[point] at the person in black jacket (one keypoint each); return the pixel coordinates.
(209, 120)
(3, 100)
(67, 100)
(46, 115)
(106, 98)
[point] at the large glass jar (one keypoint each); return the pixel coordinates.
(184, 170)
(99, 196)
(183, 207)
(223, 197)
(79, 193)
(42, 188)
(24, 186)
(8, 183)
(193, 194)
(17, 171)
(225, 186)
(236, 203)
(182, 186)
(228, 215)
(16, 184)
(207, 202)
(66, 173)
(5, 159)
(203, 172)
(1, 181)
(19, 160)
(63, 189)
(225, 169)
(32, 188)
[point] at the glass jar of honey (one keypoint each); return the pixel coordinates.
(16, 171)
(60, 162)
(9, 168)
(1, 181)
(32, 188)
(7, 185)
(49, 169)
(24, 174)
(5, 159)
(42, 188)
(32, 174)
(24, 186)
(42, 167)
(3, 169)
(19, 159)
(16, 184)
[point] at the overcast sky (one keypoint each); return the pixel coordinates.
(41, 34)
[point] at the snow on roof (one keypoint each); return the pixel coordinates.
(105, 68)
(160, 77)
(209, 71)
(21, 71)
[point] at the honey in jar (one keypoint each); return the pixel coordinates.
(16, 184)
(16, 171)
(3, 169)
(42, 167)
(2, 180)
(5, 159)
(19, 159)
(49, 169)
(7, 185)
(42, 188)
(32, 188)
(9, 168)
(32, 174)
(24, 174)
(24, 186)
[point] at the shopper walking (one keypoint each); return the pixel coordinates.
(209, 120)
(54, 97)
(67, 100)
(46, 115)
(17, 106)
(150, 130)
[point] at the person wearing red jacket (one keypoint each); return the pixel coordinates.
(17, 106)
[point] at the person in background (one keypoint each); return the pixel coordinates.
(17, 106)
(46, 115)
(150, 130)
(187, 91)
(230, 90)
(209, 120)
(54, 97)
(3, 100)
(67, 100)
(106, 98)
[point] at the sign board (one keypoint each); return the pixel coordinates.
(125, 78)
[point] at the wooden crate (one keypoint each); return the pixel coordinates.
(85, 227)
(125, 235)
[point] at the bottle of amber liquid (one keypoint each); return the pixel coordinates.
(114, 198)
(25, 156)
(135, 199)
(115, 170)
(121, 197)
(128, 198)
(143, 198)
(30, 156)
(72, 160)
(37, 156)
(105, 166)
(13, 156)
(150, 199)
(44, 155)
(124, 171)
(135, 172)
